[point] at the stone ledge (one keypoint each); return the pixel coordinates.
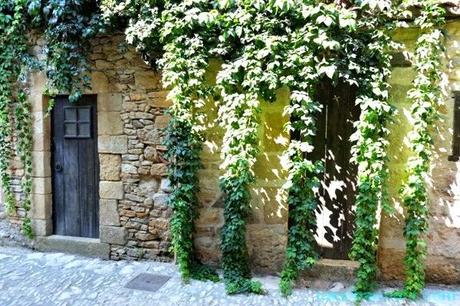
(331, 270)
(89, 247)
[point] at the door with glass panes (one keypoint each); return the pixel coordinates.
(75, 167)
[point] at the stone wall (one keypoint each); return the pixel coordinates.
(131, 119)
(131, 106)
(443, 260)
(267, 223)
(134, 189)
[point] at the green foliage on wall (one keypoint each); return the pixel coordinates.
(427, 95)
(14, 57)
(264, 45)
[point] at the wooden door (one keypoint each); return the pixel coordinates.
(336, 196)
(75, 167)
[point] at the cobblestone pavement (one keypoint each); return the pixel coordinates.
(33, 278)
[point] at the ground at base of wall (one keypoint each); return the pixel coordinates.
(35, 278)
(10, 235)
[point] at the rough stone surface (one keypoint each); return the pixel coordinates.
(33, 278)
(108, 212)
(110, 167)
(74, 245)
(111, 190)
(113, 234)
(113, 144)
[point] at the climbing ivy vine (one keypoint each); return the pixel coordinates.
(427, 95)
(13, 55)
(24, 148)
(184, 63)
(67, 29)
(371, 134)
(264, 45)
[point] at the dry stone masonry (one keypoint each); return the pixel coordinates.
(131, 119)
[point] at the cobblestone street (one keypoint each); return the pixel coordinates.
(32, 278)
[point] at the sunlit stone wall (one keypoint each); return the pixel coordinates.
(267, 224)
(443, 261)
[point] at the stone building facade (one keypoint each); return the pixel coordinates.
(133, 188)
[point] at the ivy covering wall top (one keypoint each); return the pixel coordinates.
(264, 45)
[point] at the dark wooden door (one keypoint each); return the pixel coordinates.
(75, 167)
(336, 196)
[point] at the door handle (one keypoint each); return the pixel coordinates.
(58, 168)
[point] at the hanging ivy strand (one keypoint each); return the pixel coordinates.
(374, 47)
(14, 64)
(24, 149)
(427, 96)
(239, 111)
(184, 63)
(68, 28)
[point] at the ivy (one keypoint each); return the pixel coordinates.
(13, 55)
(427, 96)
(184, 64)
(369, 151)
(68, 27)
(250, 74)
(24, 148)
(264, 45)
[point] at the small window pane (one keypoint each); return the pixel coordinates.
(84, 130)
(70, 130)
(70, 114)
(84, 114)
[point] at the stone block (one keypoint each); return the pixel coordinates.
(41, 185)
(150, 153)
(109, 102)
(159, 99)
(113, 144)
(160, 200)
(38, 122)
(41, 142)
(42, 227)
(210, 216)
(165, 185)
(275, 138)
(332, 270)
(110, 165)
(269, 170)
(99, 83)
(159, 170)
(74, 245)
(149, 136)
(113, 235)
(108, 212)
(111, 190)
(41, 206)
(147, 79)
(41, 161)
(109, 123)
(161, 122)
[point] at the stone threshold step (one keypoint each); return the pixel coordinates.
(332, 270)
(89, 247)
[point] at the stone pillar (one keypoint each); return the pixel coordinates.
(41, 159)
(111, 144)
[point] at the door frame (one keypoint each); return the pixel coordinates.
(109, 108)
